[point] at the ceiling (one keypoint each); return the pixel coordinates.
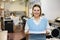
(4, 0)
(9, 0)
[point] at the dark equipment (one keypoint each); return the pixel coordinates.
(9, 26)
(56, 32)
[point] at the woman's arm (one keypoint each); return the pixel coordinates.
(26, 28)
(47, 29)
(26, 31)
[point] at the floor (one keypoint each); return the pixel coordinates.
(15, 36)
(19, 36)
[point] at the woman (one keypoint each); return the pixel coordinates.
(15, 20)
(36, 26)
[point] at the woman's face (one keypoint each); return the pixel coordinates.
(36, 11)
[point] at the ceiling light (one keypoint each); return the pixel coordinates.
(12, 0)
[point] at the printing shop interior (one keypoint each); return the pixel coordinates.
(15, 13)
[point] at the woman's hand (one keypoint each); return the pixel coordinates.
(47, 33)
(27, 35)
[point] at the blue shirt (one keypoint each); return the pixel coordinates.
(41, 27)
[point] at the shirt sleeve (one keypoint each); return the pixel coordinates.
(26, 28)
(48, 27)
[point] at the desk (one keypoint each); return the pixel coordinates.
(53, 23)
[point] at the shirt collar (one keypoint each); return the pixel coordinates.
(39, 18)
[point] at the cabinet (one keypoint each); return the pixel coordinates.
(1, 17)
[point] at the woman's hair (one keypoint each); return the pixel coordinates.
(36, 5)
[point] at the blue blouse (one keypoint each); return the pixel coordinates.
(41, 27)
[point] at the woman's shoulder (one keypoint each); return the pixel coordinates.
(44, 18)
(30, 19)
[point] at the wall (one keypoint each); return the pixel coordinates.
(2, 6)
(15, 6)
(51, 8)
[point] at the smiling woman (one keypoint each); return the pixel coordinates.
(40, 26)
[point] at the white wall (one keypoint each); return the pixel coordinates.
(51, 8)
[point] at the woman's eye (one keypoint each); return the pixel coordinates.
(34, 10)
(37, 10)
